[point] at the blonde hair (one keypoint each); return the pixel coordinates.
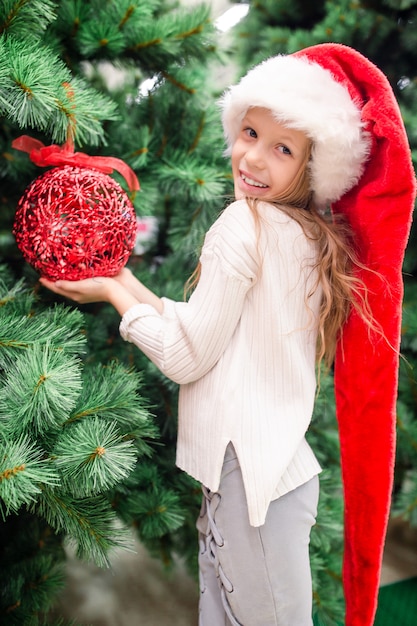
(335, 265)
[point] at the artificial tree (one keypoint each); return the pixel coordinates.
(134, 79)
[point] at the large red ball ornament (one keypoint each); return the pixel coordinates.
(75, 222)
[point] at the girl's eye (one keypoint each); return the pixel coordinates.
(284, 149)
(250, 132)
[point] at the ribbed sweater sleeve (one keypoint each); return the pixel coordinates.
(188, 338)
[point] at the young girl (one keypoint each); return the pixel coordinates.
(275, 288)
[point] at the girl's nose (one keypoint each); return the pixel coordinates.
(255, 156)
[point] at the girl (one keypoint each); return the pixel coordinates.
(275, 287)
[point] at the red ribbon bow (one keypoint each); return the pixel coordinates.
(64, 155)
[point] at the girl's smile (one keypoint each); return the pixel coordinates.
(251, 182)
(266, 156)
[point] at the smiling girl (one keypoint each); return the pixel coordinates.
(274, 289)
(268, 158)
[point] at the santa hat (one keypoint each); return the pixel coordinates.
(361, 165)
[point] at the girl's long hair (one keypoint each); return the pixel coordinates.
(336, 261)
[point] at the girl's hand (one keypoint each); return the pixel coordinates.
(82, 291)
(126, 278)
(122, 291)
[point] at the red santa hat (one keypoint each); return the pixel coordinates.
(361, 166)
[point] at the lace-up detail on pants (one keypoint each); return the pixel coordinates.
(255, 576)
(209, 546)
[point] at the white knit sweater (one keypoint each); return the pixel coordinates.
(243, 350)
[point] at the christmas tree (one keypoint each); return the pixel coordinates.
(87, 423)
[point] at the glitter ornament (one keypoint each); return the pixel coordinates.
(75, 221)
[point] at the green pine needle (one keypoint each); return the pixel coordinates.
(29, 88)
(33, 15)
(59, 327)
(23, 471)
(102, 37)
(15, 296)
(83, 109)
(40, 390)
(44, 96)
(90, 524)
(112, 392)
(43, 578)
(156, 513)
(93, 457)
(201, 182)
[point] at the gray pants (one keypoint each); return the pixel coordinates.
(255, 576)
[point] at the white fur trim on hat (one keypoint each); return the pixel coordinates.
(306, 97)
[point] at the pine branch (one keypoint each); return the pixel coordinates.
(17, 298)
(93, 457)
(22, 595)
(128, 13)
(407, 434)
(192, 28)
(40, 390)
(405, 505)
(135, 30)
(28, 87)
(32, 558)
(60, 327)
(89, 523)
(202, 182)
(101, 38)
(74, 16)
(178, 35)
(111, 392)
(65, 328)
(23, 471)
(80, 111)
(157, 513)
(29, 16)
(37, 91)
(148, 503)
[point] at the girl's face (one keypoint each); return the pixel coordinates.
(266, 156)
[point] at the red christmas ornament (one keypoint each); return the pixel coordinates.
(75, 221)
